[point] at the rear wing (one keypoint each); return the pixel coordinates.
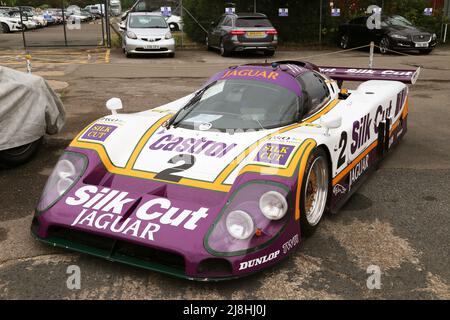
(360, 74)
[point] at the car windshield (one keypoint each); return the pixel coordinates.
(253, 23)
(397, 21)
(145, 21)
(237, 104)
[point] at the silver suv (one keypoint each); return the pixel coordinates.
(242, 32)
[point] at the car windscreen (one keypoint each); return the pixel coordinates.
(397, 21)
(237, 104)
(144, 21)
(253, 23)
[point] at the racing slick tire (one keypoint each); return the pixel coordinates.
(224, 52)
(4, 28)
(384, 45)
(16, 156)
(315, 191)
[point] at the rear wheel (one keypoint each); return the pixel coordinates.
(224, 52)
(16, 156)
(314, 196)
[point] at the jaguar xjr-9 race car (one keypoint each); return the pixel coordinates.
(224, 182)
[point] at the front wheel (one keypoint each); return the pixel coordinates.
(425, 51)
(16, 156)
(5, 28)
(384, 45)
(314, 192)
(344, 43)
(174, 27)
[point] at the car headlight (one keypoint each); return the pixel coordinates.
(131, 35)
(240, 225)
(67, 172)
(168, 35)
(398, 36)
(273, 205)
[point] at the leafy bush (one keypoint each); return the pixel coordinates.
(302, 24)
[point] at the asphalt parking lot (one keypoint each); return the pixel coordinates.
(399, 220)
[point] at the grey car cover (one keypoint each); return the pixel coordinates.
(29, 108)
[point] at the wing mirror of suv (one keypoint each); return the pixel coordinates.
(114, 104)
(330, 122)
(122, 26)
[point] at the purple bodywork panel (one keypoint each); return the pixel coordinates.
(260, 73)
(361, 74)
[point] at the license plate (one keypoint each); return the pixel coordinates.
(151, 47)
(255, 34)
(421, 44)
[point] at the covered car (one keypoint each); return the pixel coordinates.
(29, 109)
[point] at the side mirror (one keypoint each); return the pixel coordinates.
(330, 122)
(114, 104)
(213, 23)
(171, 26)
(122, 27)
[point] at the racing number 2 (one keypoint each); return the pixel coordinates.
(168, 174)
(342, 146)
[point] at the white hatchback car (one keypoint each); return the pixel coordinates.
(147, 33)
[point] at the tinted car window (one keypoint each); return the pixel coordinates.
(397, 21)
(228, 22)
(315, 91)
(253, 23)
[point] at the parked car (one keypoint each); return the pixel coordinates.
(228, 180)
(27, 19)
(243, 32)
(9, 24)
(147, 33)
(396, 33)
(29, 109)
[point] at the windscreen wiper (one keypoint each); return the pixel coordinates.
(191, 102)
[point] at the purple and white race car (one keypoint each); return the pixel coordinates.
(224, 182)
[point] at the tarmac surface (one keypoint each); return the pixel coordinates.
(399, 220)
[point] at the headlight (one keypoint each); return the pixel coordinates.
(398, 36)
(240, 225)
(273, 205)
(68, 170)
(168, 35)
(131, 35)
